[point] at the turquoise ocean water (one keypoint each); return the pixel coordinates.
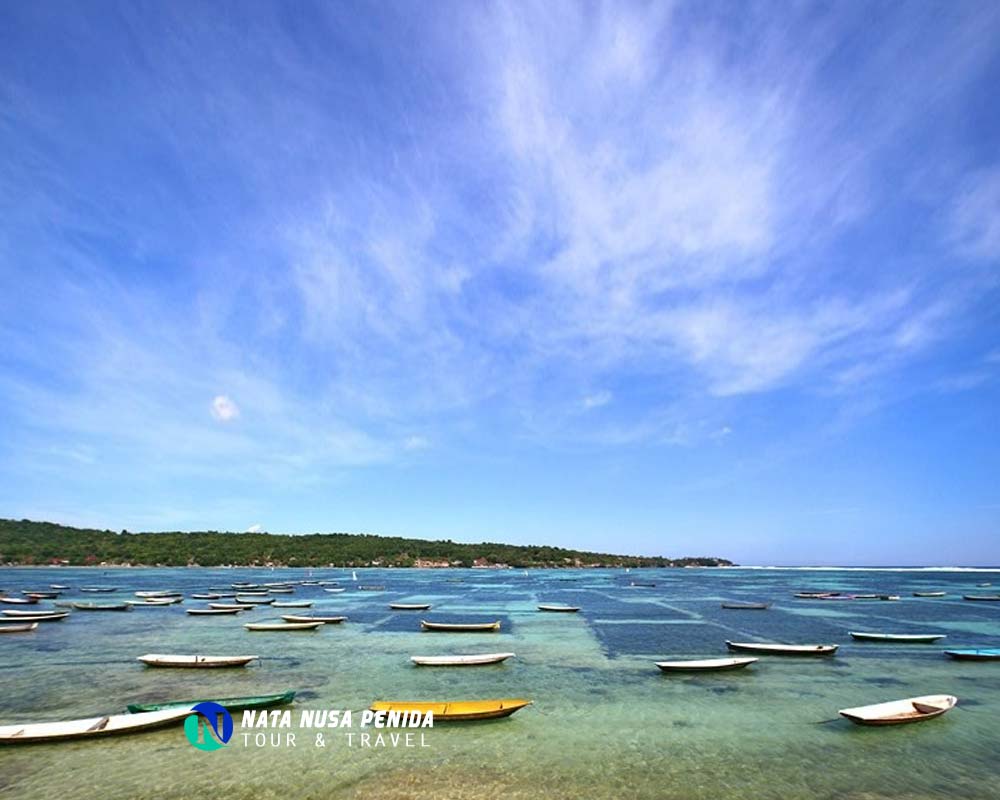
(605, 722)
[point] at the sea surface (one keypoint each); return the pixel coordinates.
(605, 722)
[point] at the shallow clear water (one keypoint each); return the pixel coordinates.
(605, 722)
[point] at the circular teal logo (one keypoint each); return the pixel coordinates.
(202, 727)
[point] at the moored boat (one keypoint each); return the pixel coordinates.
(231, 606)
(770, 648)
(194, 661)
(230, 703)
(254, 601)
(212, 612)
(90, 727)
(378, 588)
(160, 595)
(292, 604)
(930, 594)
(911, 638)
(33, 612)
(975, 654)
(98, 589)
(311, 618)
(898, 712)
(53, 616)
(565, 609)
(473, 660)
(107, 606)
(19, 627)
(335, 591)
(206, 596)
(457, 711)
(282, 626)
(456, 627)
(987, 598)
(747, 606)
(705, 664)
(409, 606)
(19, 601)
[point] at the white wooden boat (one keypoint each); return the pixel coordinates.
(20, 627)
(461, 661)
(54, 616)
(564, 609)
(292, 604)
(126, 606)
(769, 648)
(930, 594)
(206, 596)
(212, 612)
(312, 618)
(19, 601)
(898, 712)
(975, 654)
(158, 594)
(253, 593)
(92, 726)
(282, 626)
(254, 601)
(35, 612)
(747, 606)
(43, 595)
(460, 627)
(912, 638)
(231, 607)
(149, 603)
(58, 586)
(985, 598)
(197, 662)
(410, 606)
(335, 591)
(288, 590)
(705, 664)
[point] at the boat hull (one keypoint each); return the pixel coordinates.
(230, 703)
(706, 665)
(458, 711)
(762, 648)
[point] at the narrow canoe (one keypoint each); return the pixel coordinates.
(98, 589)
(301, 618)
(705, 664)
(93, 726)
(461, 661)
(149, 603)
(912, 638)
(378, 588)
(254, 601)
(230, 703)
(212, 612)
(930, 594)
(55, 616)
(410, 606)
(282, 626)
(280, 591)
(21, 627)
(469, 627)
(160, 595)
(230, 607)
(106, 606)
(567, 609)
(57, 586)
(208, 596)
(783, 649)
(293, 604)
(898, 712)
(198, 662)
(19, 601)
(980, 654)
(41, 595)
(987, 598)
(456, 711)
(248, 593)
(747, 606)
(335, 591)
(35, 612)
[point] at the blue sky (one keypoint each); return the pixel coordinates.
(683, 279)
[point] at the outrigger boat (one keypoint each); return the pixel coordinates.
(195, 662)
(21, 627)
(898, 712)
(108, 606)
(93, 726)
(461, 661)
(566, 609)
(230, 703)
(409, 606)
(705, 664)
(456, 627)
(980, 654)
(212, 612)
(768, 648)
(912, 638)
(457, 711)
(282, 626)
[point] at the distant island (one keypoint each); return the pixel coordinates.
(24, 542)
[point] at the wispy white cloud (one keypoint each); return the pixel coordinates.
(597, 399)
(224, 409)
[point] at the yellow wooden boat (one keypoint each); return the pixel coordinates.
(459, 710)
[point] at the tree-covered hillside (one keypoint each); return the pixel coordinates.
(27, 542)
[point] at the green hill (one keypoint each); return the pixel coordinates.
(27, 542)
